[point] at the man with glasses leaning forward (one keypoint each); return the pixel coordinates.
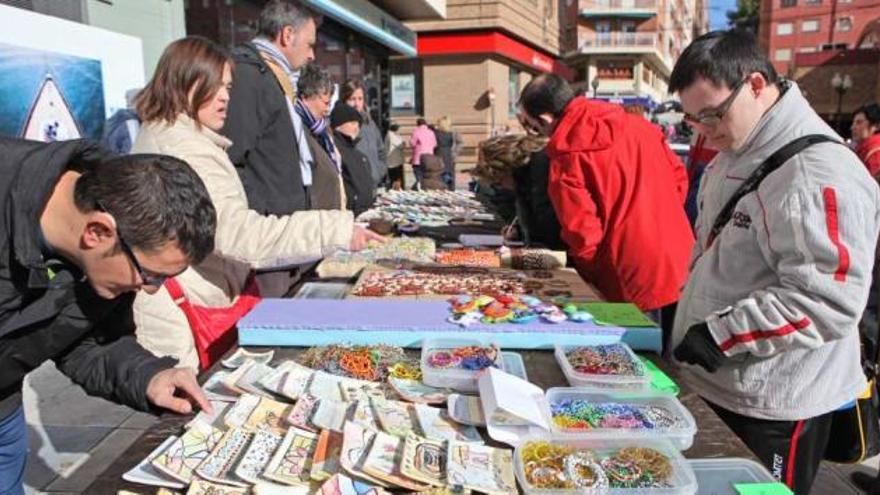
(81, 233)
(767, 322)
(619, 193)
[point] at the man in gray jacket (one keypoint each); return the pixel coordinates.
(767, 323)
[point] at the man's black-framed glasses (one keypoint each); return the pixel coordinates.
(146, 278)
(713, 117)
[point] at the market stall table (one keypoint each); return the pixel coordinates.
(714, 438)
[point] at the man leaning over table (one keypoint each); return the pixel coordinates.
(80, 233)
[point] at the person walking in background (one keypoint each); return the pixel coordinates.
(423, 142)
(192, 317)
(394, 150)
(448, 144)
(359, 188)
(619, 193)
(369, 141)
(866, 135)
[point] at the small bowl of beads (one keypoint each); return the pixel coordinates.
(585, 412)
(603, 366)
(458, 363)
(614, 467)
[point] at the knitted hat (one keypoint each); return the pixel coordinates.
(342, 113)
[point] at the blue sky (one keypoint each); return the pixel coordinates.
(718, 12)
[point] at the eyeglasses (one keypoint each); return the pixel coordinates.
(146, 278)
(711, 118)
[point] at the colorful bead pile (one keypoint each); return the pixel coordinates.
(472, 358)
(467, 310)
(374, 363)
(583, 415)
(548, 466)
(611, 359)
(469, 257)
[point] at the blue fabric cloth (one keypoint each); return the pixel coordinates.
(13, 453)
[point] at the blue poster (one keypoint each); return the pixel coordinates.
(49, 96)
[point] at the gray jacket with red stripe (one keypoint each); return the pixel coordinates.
(784, 284)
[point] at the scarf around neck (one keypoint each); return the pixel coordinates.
(318, 127)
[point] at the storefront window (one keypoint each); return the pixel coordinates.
(406, 86)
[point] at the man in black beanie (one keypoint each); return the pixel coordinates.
(359, 188)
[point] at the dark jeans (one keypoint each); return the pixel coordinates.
(790, 450)
(13, 452)
(419, 172)
(449, 180)
(394, 175)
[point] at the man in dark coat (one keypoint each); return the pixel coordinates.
(80, 233)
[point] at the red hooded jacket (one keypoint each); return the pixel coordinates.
(619, 192)
(869, 152)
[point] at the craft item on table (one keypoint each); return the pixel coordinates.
(549, 466)
(295, 382)
(437, 425)
(340, 484)
(584, 415)
(395, 283)
(356, 441)
(257, 456)
(407, 370)
(146, 474)
(466, 409)
(331, 414)
(215, 419)
(301, 414)
(418, 392)
(230, 383)
(241, 355)
(480, 468)
(325, 386)
(381, 227)
(184, 455)
(362, 392)
(396, 418)
(267, 414)
(608, 359)
(469, 257)
(362, 413)
(430, 208)
(238, 414)
(249, 381)
(219, 465)
(271, 488)
(204, 487)
(371, 363)
(325, 463)
(469, 357)
(215, 389)
(274, 381)
(468, 310)
(346, 264)
(384, 459)
(532, 258)
(291, 462)
(514, 408)
(482, 240)
(424, 460)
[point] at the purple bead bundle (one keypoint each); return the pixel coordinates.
(582, 415)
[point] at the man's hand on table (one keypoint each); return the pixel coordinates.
(176, 389)
(698, 347)
(361, 237)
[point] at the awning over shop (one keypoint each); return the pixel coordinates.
(371, 21)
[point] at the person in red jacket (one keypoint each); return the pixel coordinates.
(619, 192)
(866, 134)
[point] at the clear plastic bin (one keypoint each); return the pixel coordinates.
(640, 380)
(682, 480)
(681, 436)
(513, 363)
(717, 476)
(455, 378)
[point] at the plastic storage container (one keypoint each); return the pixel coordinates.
(717, 476)
(513, 363)
(682, 436)
(681, 481)
(640, 380)
(458, 379)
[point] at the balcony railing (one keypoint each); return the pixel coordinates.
(644, 40)
(588, 5)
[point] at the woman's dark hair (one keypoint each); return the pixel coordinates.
(871, 112)
(421, 121)
(723, 58)
(155, 199)
(189, 65)
(394, 127)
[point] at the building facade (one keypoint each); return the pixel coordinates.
(624, 50)
(792, 27)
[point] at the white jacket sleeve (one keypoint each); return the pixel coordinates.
(266, 241)
(820, 241)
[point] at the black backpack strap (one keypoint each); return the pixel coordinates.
(769, 165)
